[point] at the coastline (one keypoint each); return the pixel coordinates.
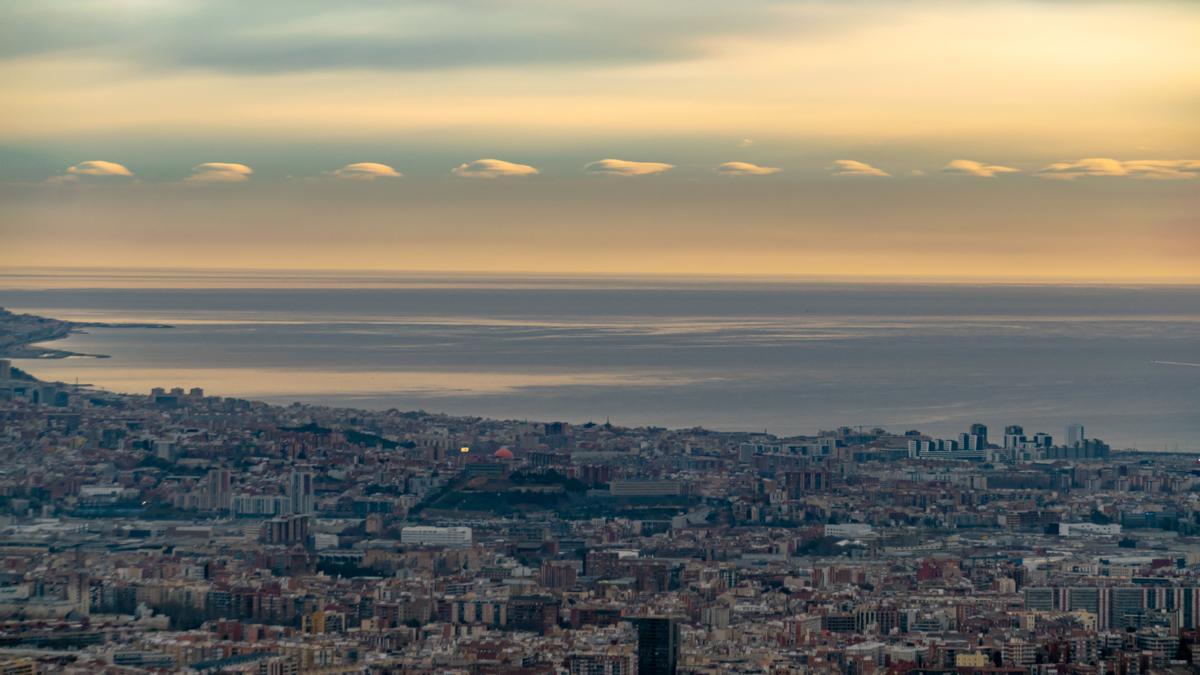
(21, 336)
(19, 333)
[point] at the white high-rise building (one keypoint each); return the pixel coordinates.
(1075, 434)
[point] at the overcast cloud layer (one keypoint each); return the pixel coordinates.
(301, 35)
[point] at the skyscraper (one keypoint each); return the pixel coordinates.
(300, 492)
(219, 489)
(658, 646)
(1014, 436)
(980, 430)
(1075, 434)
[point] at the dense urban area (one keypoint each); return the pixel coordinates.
(179, 532)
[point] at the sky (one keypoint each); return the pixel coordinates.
(989, 139)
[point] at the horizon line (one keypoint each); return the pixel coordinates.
(330, 273)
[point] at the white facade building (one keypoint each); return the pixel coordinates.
(1077, 529)
(423, 535)
(850, 530)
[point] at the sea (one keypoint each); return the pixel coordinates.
(783, 356)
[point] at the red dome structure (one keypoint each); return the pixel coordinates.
(503, 453)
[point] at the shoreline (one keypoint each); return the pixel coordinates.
(20, 332)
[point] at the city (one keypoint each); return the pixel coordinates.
(579, 337)
(181, 532)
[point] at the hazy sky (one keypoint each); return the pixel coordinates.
(984, 138)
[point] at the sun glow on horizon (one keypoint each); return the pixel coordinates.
(1004, 139)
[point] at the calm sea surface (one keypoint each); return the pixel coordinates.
(789, 358)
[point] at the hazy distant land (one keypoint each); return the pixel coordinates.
(21, 335)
